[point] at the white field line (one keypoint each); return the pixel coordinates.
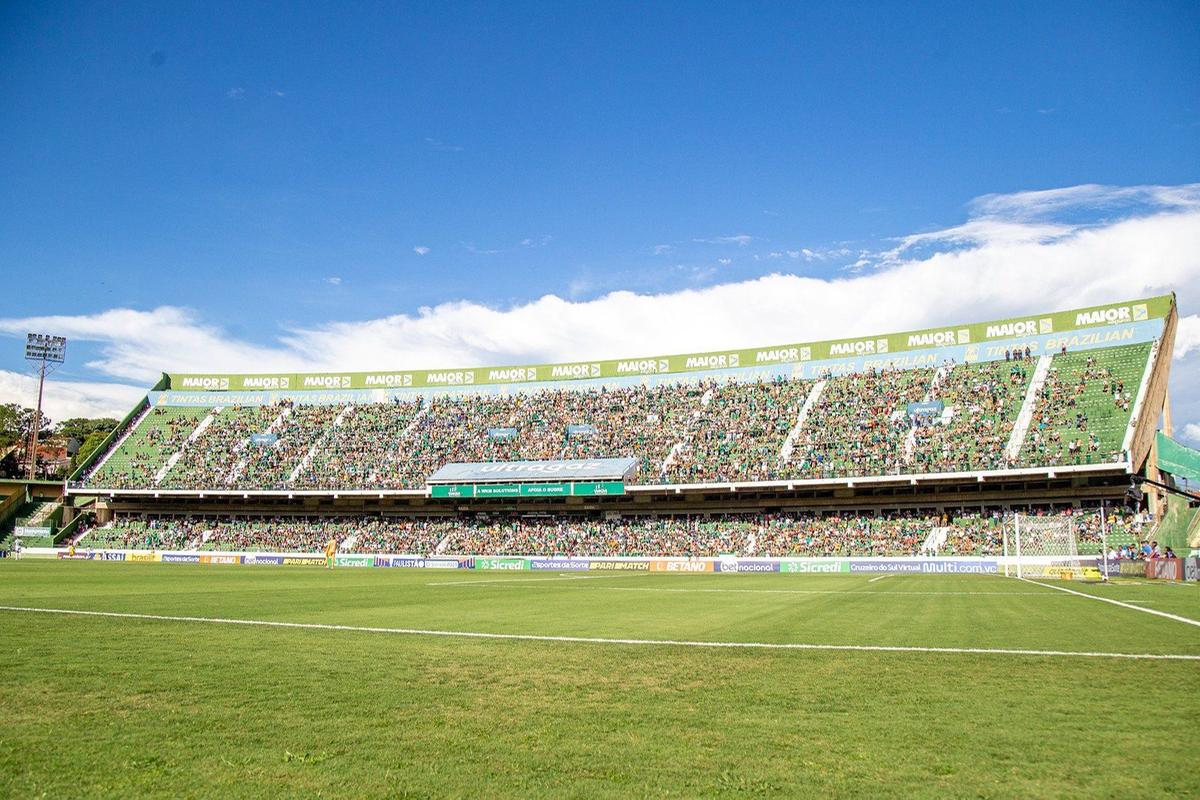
(525, 637)
(881, 577)
(1176, 617)
(821, 591)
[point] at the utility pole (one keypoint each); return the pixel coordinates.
(44, 350)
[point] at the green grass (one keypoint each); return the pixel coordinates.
(95, 706)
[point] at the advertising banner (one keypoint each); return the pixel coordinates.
(452, 491)
(263, 439)
(746, 566)
(502, 434)
(1167, 569)
(221, 558)
(407, 562)
(620, 566)
(259, 559)
(110, 556)
(559, 564)
(1133, 569)
(180, 558)
(932, 408)
(960, 567)
(31, 531)
(501, 563)
(885, 566)
(143, 557)
(598, 489)
(680, 565)
(498, 490)
(1191, 568)
(444, 563)
(303, 561)
(86, 556)
(354, 561)
(814, 566)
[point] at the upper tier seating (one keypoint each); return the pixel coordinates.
(706, 432)
(1083, 410)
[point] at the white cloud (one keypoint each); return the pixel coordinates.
(420, 249)
(1039, 204)
(236, 93)
(741, 240)
(334, 280)
(998, 270)
(724, 262)
(1191, 433)
(437, 144)
(63, 400)
(662, 249)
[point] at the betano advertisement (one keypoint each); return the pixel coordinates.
(1124, 322)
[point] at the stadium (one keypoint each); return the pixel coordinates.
(912, 444)
(773, 571)
(599, 400)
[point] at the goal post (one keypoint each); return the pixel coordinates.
(1042, 547)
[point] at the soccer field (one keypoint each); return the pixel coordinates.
(602, 685)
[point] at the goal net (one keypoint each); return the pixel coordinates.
(1042, 547)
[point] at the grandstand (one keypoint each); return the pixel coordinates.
(897, 445)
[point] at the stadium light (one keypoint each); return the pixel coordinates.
(44, 350)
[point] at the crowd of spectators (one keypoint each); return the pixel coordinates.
(896, 533)
(738, 432)
(160, 435)
(983, 400)
(1084, 406)
(212, 459)
(859, 425)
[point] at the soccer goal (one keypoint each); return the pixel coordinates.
(1042, 547)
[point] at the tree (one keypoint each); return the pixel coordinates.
(16, 422)
(81, 427)
(86, 448)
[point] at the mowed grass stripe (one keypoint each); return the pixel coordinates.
(909, 611)
(600, 640)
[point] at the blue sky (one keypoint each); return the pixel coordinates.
(273, 169)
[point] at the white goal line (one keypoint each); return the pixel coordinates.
(525, 637)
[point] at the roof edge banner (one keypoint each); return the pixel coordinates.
(1128, 311)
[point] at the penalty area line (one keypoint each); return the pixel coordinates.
(526, 637)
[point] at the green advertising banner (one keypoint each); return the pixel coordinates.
(1131, 311)
(501, 563)
(814, 565)
(598, 488)
(452, 491)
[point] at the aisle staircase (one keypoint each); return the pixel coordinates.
(1025, 416)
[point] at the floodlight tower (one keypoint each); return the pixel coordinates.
(47, 352)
